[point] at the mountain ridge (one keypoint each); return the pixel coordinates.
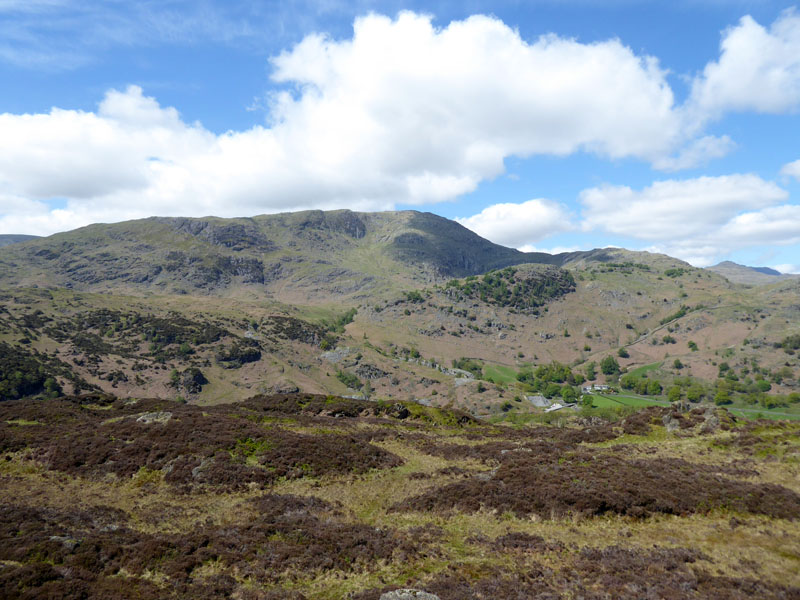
(6, 239)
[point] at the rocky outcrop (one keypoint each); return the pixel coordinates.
(408, 594)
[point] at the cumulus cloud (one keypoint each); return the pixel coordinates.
(696, 219)
(787, 269)
(758, 70)
(402, 112)
(552, 249)
(695, 153)
(671, 208)
(773, 225)
(792, 169)
(519, 225)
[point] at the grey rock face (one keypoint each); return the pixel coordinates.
(408, 594)
(672, 424)
(154, 417)
(711, 423)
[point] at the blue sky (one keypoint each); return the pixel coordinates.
(548, 125)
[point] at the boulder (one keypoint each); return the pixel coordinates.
(671, 423)
(711, 423)
(408, 594)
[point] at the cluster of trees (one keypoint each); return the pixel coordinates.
(675, 272)
(722, 391)
(609, 366)
(339, 323)
(469, 364)
(641, 385)
(629, 265)
(681, 312)
(505, 288)
(243, 351)
(24, 374)
(551, 380)
(725, 391)
(334, 327)
(349, 379)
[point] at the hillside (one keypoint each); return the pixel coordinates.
(296, 497)
(408, 338)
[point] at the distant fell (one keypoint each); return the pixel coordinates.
(6, 239)
(737, 273)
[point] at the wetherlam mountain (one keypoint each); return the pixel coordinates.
(312, 254)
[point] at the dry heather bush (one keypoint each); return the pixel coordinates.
(579, 482)
(82, 554)
(193, 446)
(765, 439)
(598, 574)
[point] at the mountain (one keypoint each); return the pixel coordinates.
(749, 275)
(7, 238)
(305, 255)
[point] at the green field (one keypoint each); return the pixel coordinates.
(604, 401)
(601, 401)
(644, 369)
(499, 373)
(782, 412)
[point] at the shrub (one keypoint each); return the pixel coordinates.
(349, 379)
(609, 365)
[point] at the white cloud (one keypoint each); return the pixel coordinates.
(698, 220)
(787, 269)
(676, 208)
(773, 225)
(401, 112)
(519, 225)
(758, 70)
(792, 169)
(695, 153)
(551, 250)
